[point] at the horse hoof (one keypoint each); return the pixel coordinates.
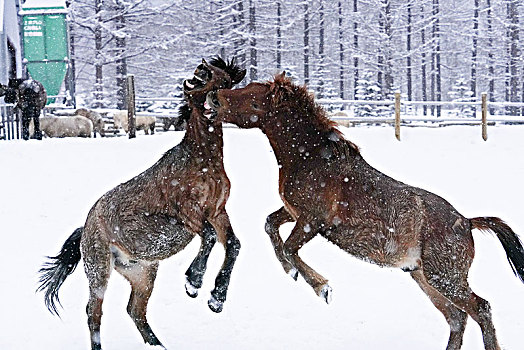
(326, 293)
(191, 290)
(293, 273)
(215, 305)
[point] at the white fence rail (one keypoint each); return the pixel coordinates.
(399, 105)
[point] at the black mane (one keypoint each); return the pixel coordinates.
(230, 67)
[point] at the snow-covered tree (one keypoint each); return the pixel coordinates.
(367, 90)
(461, 92)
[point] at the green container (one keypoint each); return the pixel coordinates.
(46, 44)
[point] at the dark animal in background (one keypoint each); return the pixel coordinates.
(329, 189)
(29, 97)
(155, 215)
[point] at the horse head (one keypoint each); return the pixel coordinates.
(251, 106)
(217, 74)
(11, 90)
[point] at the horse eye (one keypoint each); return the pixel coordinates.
(255, 105)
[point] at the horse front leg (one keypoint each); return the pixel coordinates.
(227, 237)
(303, 232)
(273, 223)
(196, 270)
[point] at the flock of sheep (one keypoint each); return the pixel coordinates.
(87, 123)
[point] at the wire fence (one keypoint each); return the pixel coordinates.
(9, 122)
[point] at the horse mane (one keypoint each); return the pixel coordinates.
(230, 67)
(287, 95)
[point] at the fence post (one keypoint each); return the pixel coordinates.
(131, 106)
(397, 115)
(484, 113)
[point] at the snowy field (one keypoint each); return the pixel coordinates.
(48, 187)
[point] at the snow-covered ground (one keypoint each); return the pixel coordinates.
(48, 187)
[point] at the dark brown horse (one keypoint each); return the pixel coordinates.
(29, 97)
(155, 215)
(329, 189)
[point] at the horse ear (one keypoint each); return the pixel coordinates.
(281, 76)
(238, 77)
(204, 62)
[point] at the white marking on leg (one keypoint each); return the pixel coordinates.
(95, 338)
(411, 260)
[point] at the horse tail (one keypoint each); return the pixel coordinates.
(510, 241)
(54, 272)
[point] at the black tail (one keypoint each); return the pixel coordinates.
(54, 272)
(510, 241)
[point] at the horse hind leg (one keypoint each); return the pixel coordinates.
(455, 317)
(451, 282)
(97, 264)
(480, 310)
(141, 276)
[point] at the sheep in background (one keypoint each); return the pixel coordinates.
(75, 126)
(95, 118)
(142, 122)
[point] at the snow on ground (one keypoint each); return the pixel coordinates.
(48, 187)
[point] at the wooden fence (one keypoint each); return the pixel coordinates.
(395, 119)
(398, 105)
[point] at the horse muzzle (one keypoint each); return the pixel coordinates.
(212, 102)
(211, 105)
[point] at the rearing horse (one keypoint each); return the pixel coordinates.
(329, 189)
(155, 215)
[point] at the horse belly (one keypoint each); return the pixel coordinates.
(156, 237)
(383, 249)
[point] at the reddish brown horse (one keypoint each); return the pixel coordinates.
(329, 189)
(155, 215)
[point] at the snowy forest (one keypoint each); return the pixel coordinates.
(430, 50)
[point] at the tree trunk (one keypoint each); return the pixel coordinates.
(252, 42)
(491, 69)
(408, 59)
(306, 43)
(474, 49)
(341, 50)
(99, 78)
(513, 18)
(436, 87)
(321, 53)
(388, 54)
(279, 35)
(423, 64)
(384, 61)
(71, 72)
(241, 43)
(121, 62)
(355, 50)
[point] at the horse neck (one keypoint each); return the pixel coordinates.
(202, 138)
(294, 139)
